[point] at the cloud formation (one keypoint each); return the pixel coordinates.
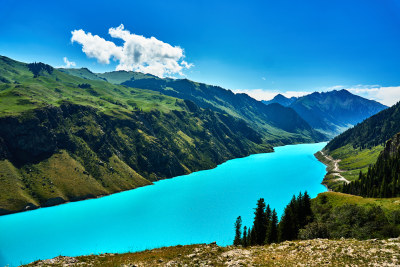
(68, 64)
(387, 95)
(138, 53)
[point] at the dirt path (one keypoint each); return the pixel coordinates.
(336, 170)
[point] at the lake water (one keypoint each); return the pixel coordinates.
(196, 208)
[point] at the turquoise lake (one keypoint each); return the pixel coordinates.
(196, 208)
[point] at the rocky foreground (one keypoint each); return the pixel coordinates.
(318, 252)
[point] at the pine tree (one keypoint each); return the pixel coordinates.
(306, 210)
(285, 227)
(253, 237)
(259, 225)
(272, 235)
(249, 238)
(238, 231)
(244, 239)
(268, 214)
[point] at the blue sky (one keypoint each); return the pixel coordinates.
(258, 47)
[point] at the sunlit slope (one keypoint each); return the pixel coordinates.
(64, 138)
(278, 125)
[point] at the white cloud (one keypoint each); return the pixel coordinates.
(138, 53)
(386, 95)
(68, 64)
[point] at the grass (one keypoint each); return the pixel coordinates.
(352, 161)
(336, 199)
(23, 92)
(105, 138)
(62, 176)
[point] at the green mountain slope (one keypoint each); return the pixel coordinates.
(360, 147)
(65, 138)
(331, 112)
(82, 73)
(269, 120)
(278, 125)
(382, 179)
(374, 131)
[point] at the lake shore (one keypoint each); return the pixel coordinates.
(332, 177)
(189, 209)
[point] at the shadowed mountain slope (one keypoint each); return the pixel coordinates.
(66, 138)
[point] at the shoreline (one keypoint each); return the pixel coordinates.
(29, 206)
(32, 207)
(332, 177)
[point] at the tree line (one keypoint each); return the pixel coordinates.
(37, 68)
(382, 179)
(320, 218)
(375, 130)
(267, 229)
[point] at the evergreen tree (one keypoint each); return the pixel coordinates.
(286, 225)
(268, 214)
(238, 231)
(244, 239)
(272, 235)
(253, 237)
(306, 210)
(260, 222)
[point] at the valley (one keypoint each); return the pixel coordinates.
(71, 134)
(199, 133)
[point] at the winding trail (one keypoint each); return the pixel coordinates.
(336, 170)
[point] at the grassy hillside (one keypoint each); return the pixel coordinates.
(278, 125)
(336, 199)
(382, 178)
(65, 138)
(372, 132)
(359, 147)
(352, 161)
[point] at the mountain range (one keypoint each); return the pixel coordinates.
(68, 137)
(278, 124)
(71, 134)
(369, 155)
(331, 112)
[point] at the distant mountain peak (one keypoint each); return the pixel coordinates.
(281, 99)
(334, 111)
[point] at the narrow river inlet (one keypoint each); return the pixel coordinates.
(196, 208)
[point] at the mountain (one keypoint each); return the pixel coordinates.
(84, 73)
(66, 138)
(382, 178)
(374, 131)
(332, 112)
(279, 125)
(280, 99)
(369, 147)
